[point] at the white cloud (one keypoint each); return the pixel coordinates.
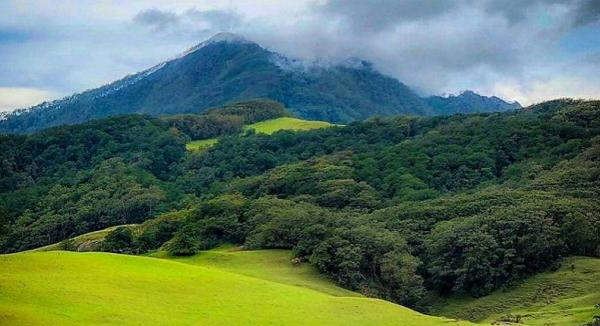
(12, 98)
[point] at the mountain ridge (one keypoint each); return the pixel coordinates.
(468, 101)
(228, 68)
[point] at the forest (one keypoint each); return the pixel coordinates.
(402, 208)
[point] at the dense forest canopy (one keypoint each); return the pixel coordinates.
(394, 207)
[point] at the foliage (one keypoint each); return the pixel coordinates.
(111, 194)
(252, 111)
(226, 120)
(119, 240)
(397, 208)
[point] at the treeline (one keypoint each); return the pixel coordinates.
(227, 120)
(71, 180)
(397, 208)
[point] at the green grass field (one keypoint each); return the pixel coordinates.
(286, 123)
(565, 297)
(270, 265)
(67, 288)
(265, 127)
(196, 145)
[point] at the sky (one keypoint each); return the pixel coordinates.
(524, 50)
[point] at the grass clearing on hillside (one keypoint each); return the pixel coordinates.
(196, 145)
(286, 123)
(265, 127)
(66, 288)
(564, 297)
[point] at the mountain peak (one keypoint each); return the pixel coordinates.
(468, 92)
(468, 101)
(217, 38)
(227, 37)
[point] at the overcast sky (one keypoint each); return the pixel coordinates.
(525, 50)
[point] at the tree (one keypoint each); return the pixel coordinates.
(184, 243)
(119, 240)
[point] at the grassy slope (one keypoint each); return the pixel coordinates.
(564, 297)
(65, 288)
(270, 265)
(196, 145)
(286, 123)
(266, 127)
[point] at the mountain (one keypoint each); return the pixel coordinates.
(229, 68)
(469, 102)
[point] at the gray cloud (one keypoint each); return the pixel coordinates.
(587, 12)
(377, 15)
(189, 21)
(516, 10)
(218, 19)
(156, 19)
(381, 14)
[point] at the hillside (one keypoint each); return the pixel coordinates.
(563, 297)
(108, 289)
(273, 265)
(395, 208)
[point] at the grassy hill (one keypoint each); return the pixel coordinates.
(266, 127)
(65, 288)
(564, 297)
(271, 265)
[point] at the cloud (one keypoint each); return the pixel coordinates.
(191, 19)
(439, 46)
(156, 19)
(221, 20)
(513, 48)
(12, 98)
(588, 11)
(368, 16)
(381, 14)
